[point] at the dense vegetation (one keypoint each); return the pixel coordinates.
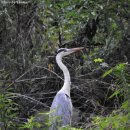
(30, 33)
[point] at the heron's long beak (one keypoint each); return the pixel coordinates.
(76, 49)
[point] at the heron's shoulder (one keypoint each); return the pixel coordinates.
(63, 100)
(61, 94)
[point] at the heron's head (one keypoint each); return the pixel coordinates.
(65, 51)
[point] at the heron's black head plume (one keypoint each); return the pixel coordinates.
(61, 50)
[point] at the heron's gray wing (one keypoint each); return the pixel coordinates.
(61, 107)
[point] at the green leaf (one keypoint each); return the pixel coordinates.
(107, 73)
(98, 60)
(125, 104)
(114, 26)
(114, 94)
(120, 67)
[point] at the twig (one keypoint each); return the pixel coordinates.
(50, 71)
(24, 74)
(28, 98)
(33, 79)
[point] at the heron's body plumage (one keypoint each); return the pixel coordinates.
(61, 111)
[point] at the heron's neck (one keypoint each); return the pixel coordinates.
(67, 80)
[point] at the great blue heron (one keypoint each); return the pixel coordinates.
(61, 108)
